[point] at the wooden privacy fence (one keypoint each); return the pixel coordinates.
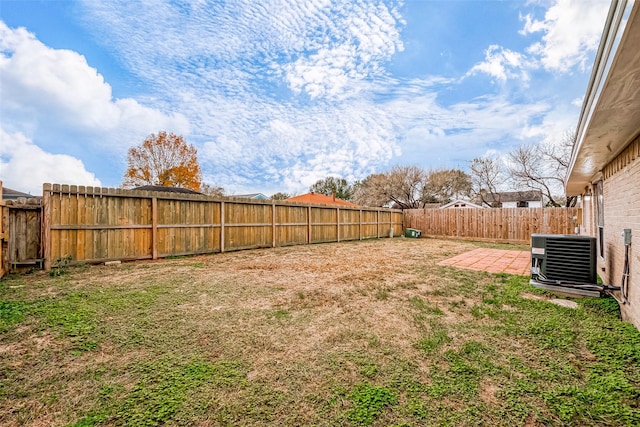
(502, 225)
(102, 224)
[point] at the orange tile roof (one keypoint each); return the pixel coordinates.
(321, 199)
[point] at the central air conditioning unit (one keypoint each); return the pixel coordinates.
(565, 263)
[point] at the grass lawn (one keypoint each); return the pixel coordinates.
(357, 333)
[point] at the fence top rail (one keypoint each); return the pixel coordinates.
(474, 210)
(161, 195)
(23, 207)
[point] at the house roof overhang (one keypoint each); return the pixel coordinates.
(609, 118)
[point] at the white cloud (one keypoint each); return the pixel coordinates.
(25, 167)
(553, 127)
(503, 64)
(42, 87)
(577, 102)
(364, 36)
(571, 31)
(316, 47)
(297, 145)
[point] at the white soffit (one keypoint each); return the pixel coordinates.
(610, 116)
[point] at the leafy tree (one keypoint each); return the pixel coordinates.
(280, 196)
(164, 159)
(330, 185)
(444, 185)
(402, 187)
(212, 190)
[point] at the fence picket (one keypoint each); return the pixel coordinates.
(498, 224)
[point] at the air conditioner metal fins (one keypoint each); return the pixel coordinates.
(564, 263)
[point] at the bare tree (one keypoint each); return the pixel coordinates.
(212, 190)
(543, 167)
(280, 196)
(401, 186)
(371, 191)
(487, 173)
(444, 185)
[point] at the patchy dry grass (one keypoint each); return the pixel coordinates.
(359, 333)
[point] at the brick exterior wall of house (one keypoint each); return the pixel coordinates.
(622, 210)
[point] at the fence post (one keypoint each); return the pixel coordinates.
(338, 224)
(360, 225)
(154, 228)
(46, 226)
(3, 237)
(309, 224)
(378, 224)
(222, 227)
(273, 224)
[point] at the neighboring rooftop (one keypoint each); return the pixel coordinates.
(315, 198)
(515, 196)
(11, 194)
(461, 203)
(258, 196)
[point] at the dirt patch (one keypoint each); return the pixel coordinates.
(561, 302)
(488, 393)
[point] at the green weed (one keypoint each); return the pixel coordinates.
(11, 314)
(165, 386)
(60, 266)
(69, 315)
(381, 294)
(433, 340)
(368, 401)
(420, 305)
(280, 314)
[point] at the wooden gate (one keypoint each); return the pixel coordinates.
(20, 223)
(23, 246)
(3, 270)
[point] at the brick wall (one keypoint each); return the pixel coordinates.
(622, 210)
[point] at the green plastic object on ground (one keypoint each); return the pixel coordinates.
(412, 232)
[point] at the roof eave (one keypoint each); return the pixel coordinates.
(606, 123)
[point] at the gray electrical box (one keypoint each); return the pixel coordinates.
(626, 236)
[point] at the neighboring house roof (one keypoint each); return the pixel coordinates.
(515, 196)
(609, 117)
(258, 196)
(11, 194)
(466, 203)
(315, 198)
(166, 189)
(431, 206)
(395, 205)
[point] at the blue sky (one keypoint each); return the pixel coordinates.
(277, 94)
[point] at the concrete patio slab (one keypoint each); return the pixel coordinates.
(492, 261)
